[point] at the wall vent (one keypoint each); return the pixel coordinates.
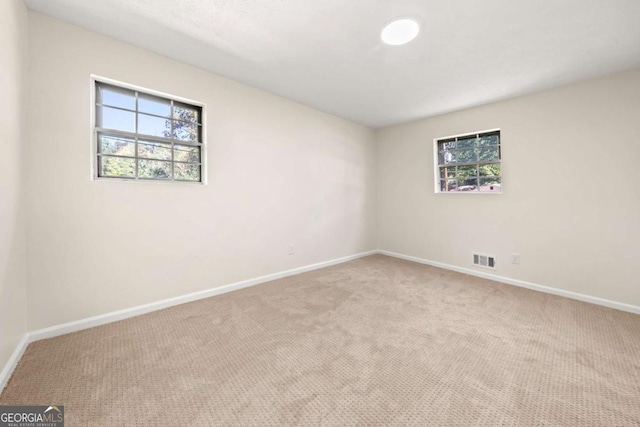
(486, 261)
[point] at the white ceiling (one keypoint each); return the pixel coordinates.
(327, 53)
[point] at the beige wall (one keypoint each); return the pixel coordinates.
(13, 47)
(279, 173)
(571, 202)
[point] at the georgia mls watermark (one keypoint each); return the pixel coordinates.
(31, 416)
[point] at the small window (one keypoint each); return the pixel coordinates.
(140, 136)
(469, 163)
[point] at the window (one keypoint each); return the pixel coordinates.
(139, 136)
(469, 163)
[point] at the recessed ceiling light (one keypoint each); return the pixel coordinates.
(400, 32)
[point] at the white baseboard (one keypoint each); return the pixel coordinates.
(103, 319)
(13, 361)
(521, 283)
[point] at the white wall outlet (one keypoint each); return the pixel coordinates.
(290, 249)
(515, 258)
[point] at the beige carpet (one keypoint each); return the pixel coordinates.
(376, 341)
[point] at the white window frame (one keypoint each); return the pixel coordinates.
(436, 165)
(94, 80)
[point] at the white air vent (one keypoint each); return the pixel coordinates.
(486, 261)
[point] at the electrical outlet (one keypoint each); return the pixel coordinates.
(290, 249)
(515, 258)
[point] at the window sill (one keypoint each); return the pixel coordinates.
(148, 181)
(468, 192)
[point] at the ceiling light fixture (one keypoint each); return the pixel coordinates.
(400, 32)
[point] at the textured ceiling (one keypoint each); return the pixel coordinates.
(327, 53)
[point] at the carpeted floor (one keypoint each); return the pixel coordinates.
(373, 342)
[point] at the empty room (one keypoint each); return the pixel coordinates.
(319, 213)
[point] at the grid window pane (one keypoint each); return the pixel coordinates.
(468, 155)
(116, 167)
(467, 184)
(116, 146)
(187, 132)
(154, 169)
(144, 136)
(447, 172)
(489, 154)
(154, 150)
(469, 163)
(154, 105)
(447, 158)
(185, 113)
(446, 145)
(187, 172)
(489, 140)
(467, 172)
(117, 97)
(448, 185)
(491, 184)
(154, 126)
(489, 170)
(113, 118)
(490, 180)
(183, 153)
(467, 142)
